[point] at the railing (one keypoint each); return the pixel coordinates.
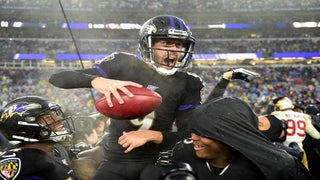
(44, 64)
(76, 64)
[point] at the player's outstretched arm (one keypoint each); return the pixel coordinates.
(134, 139)
(240, 73)
(73, 79)
(90, 78)
(310, 129)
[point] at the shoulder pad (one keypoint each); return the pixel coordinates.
(116, 55)
(194, 75)
(126, 53)
(107, 58)
(194, 82)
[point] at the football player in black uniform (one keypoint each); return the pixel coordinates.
(33, 126)
(88, 160)
(166, 44)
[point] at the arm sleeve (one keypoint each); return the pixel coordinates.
(189, 100)
(74, 79)
(218, 90)
(310, 129)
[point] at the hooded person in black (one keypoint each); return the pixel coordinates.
(225, 131)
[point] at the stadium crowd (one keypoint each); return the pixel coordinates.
(16, 83)
(267, 47)
(300, 83)
(151, 5)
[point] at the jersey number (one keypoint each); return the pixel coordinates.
(296, 127)
(145, 122)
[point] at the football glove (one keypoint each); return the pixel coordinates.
(244, 74)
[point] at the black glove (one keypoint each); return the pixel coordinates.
(244, 74)
(168, 171)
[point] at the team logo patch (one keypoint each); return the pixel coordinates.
(19, 109)
(10, 168)
(149, 29)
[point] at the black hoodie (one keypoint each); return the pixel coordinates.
(232, 122)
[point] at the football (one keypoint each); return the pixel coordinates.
(142, 103)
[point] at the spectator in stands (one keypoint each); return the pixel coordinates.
(141, 5)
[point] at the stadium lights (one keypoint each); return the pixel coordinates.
(20, 24)
(17, 24)
(217, 26)
(4, 24)
(115, 26)
(310, 24)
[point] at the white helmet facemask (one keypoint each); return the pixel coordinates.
(59, 136)
(165, 72)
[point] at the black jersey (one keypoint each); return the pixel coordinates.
(30, 163)
(239, 168)
(180, 93)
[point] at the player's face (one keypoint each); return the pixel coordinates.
(167, 52)
(206, 148)
(53, 121)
